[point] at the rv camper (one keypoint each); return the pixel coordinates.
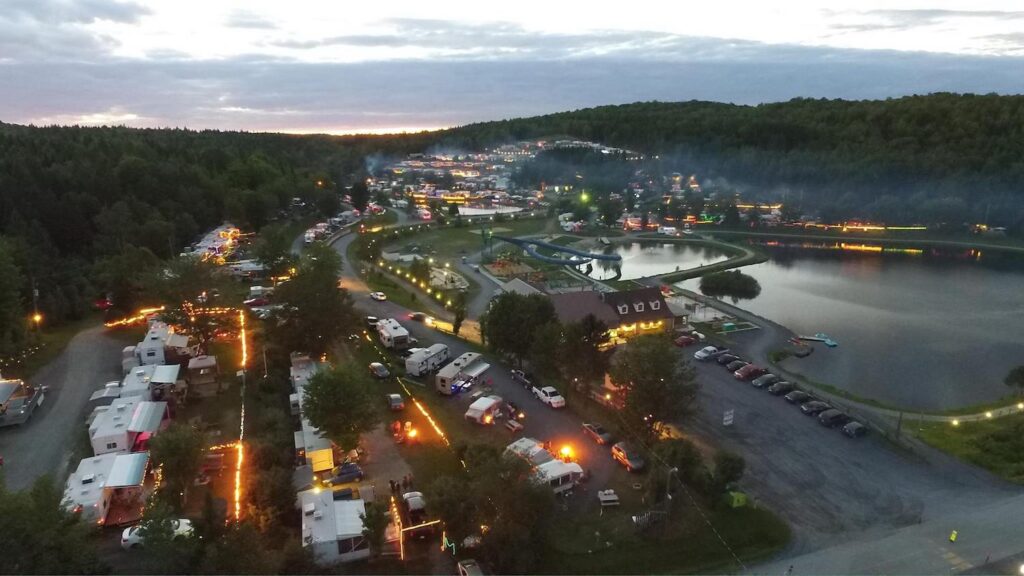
(460, 374)
(426, 360)
(392, 335)
(485, 410)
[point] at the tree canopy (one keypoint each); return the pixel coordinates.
(342, 403)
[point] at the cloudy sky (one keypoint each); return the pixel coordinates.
(333, 66)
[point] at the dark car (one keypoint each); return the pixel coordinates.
(736, 365)
(797, 397)
(764, 381)
(749, 372)
(831, 418)
(724, 359)
(855, 429)
(524, 378)
(597, 432)
(814, 407)
(418, 316)
(626, 455)
(344, 474)
(371, 321)
(780, 388)
(684, 341)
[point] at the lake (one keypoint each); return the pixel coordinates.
(649, 258)
(928, 329)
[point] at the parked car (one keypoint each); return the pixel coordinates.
(256, 302)
(748, 372)
(371, 321)
(684, 341)
(378, 370)
(736, 365)
(395, 402)
(855, 429)
(725, 359)
(626, 455)
(344, 474)
(132, 537)
(764, 380)
(597, 432)
(831, 418)
(549, 396)
(797, 397)
(469, 567)
(814, 407)
(780, 388)
(705, 353)
(378, 296)
(524, 378)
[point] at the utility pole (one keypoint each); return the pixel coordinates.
(668, 490)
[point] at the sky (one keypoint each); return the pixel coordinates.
(329, 66)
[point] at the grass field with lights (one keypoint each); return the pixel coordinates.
(996, 445)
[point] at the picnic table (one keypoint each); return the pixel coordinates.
(607, 498)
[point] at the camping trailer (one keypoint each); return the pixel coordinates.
(485, 410)
(392, 335)
(426, 360)
(460, 374)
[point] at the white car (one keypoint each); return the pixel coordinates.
(549, 396)
(131, 538)
(704, 353)
(378, 296)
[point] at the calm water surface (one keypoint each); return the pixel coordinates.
(641, 259)
(927, 329)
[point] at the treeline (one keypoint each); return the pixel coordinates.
(938, 157)
(81, 208)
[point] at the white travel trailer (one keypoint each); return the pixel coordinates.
(426, 360)
(485, 410)
(460, 373)
(392, 335)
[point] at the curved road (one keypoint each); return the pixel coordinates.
(44, 444)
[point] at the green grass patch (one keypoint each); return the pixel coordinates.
(609, 545)
(53, 341)
(453, 241)
(995, 445)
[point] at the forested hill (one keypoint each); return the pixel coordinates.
(942, 144)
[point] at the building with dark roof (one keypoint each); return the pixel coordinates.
(627, 313)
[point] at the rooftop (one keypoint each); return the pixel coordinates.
(325, 519)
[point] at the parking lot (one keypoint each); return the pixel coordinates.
(828, 486)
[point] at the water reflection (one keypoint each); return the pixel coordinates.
(927, 328)
(640, 259)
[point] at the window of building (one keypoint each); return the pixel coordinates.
(655, 305)
(349, 545)
(623, 309)
(638, 306)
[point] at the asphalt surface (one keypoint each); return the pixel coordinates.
(44, 444)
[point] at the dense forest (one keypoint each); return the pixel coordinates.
(925, 158)
(81, 206)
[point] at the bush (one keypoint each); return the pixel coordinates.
(734, 284)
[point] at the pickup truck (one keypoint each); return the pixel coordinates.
(524, 378)
(549, 396)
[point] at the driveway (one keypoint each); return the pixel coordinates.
(44, 444)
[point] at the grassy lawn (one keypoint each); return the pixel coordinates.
(996, 445)
(52, 341)
(593, 544)
(454, 241)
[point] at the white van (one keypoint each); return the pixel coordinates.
(485, 410)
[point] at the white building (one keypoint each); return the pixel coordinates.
(333, 528)
(126, 425)
(310, 443)
(143, 381)
(104, 483)
(162, 345)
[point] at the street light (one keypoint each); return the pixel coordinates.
(37, 318)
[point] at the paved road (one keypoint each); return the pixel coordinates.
(990, 534)
(44, 443)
